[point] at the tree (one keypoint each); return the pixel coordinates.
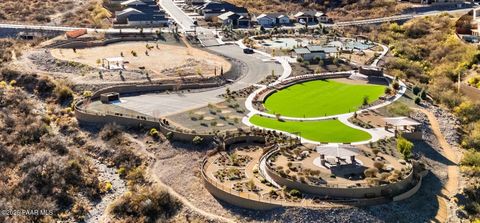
(405, 147)
(388, 91)
(416, 90)
(396, 85)
(365, 100)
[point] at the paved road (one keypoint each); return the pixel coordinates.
(403, 17)
(166, 104)
(177, 14)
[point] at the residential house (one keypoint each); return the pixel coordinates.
(213, 9)
(322, 17)
(130, 3)
(310, 53)
(234, 19)
(140, 13)
(311, 17)
(272, 19)
(195, 2)
(121, 16)
(147, 20)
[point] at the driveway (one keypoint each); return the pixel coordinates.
(166, 104)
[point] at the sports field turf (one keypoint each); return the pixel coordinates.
(321, 98)
(320, 131)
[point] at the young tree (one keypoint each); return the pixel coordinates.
(405, 147)
(365, 100)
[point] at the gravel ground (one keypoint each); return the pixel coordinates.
(449, 124)
(96, 214)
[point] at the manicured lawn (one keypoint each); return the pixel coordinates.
(320, 131)
(320, 98)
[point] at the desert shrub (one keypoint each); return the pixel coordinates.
(378, 165)
(295, 193)
(370, 172)
(197, 140)
(126, 158)
(400, 109)
(396, 85)
(471, 159)
(110, 131)
(147, 204)
(418, 100)
(154, 133)
(136, 176)
(468, 112)
(416, 90)
(472, 138)
(388, 91)
(63, 93)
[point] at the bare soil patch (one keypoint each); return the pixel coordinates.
(162, 60)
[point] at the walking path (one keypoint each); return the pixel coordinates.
(150, 172)
(183, 199)
(451, 186)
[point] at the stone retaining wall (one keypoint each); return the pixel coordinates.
(342, 192)
(232, 197)
(95, 118)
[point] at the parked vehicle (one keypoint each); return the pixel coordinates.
(248, 50)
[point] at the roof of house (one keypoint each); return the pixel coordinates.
(271, 15)
(316, 49)
(326, 49)
(76, 33)
(401, 121)
(309, 13)
(215, 7)
(146, 17)
(148, 8)
(128, 10)
(265, 16)
(133, 2)
(228, 15)
(301, 50)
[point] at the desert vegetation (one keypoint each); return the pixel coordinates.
(42, 168)
(434, 71)
(66, 12)
(338, 10)
(48, 159)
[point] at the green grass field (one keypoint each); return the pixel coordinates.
(321, 98)
(321, 131)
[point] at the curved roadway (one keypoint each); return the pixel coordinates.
(161, 104)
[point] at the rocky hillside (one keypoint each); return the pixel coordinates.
(337, 9)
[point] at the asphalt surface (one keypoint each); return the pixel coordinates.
(177, 14)
(167, 104)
